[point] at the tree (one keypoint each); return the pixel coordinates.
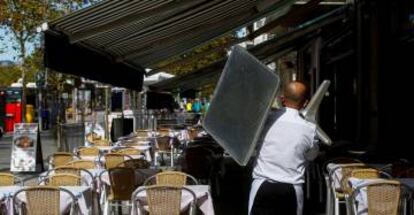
(22, 18)
(8, 75)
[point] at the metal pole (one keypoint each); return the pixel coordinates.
(23, 101)
(39, 106)
(107, 112)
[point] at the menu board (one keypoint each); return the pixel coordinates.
(25, 147)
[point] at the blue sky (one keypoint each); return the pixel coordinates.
(6, 41)
(6, 45)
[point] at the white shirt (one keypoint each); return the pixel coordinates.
(288, 144)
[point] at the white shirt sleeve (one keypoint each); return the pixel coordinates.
(313, 151)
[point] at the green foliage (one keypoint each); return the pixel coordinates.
(197, 58)
(20, 18)
(9, 75)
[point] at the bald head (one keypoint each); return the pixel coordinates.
(295, 95)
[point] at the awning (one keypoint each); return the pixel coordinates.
(265, 52)
(124, 36)
(160, 76)
(76, 60)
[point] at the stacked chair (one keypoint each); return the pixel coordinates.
(385, 196)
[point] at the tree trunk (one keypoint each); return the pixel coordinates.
(23, 68)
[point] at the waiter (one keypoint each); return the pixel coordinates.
(289, 143)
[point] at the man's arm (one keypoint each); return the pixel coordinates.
(313, 151)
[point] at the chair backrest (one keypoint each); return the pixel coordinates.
(135, 164)
(84, 164)
(112, 160)
(164, 131)
(101, 143)
(346, 174)
(343, 182)
(383, 196)
(64, 179)
(365, 173)
(142, 133)
(8, 179)
(131, 143)
(42, 200)
(384, 199)
(340, 160)
(88, 151)
(66, 170)
(163, 200)
(59, 159)
(128, 151)
(163, 143)
(80, 172)
(173, 178)
(193, 133)
(122, 183)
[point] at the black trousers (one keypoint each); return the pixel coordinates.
(275, 198)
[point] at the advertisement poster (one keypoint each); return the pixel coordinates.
(24, 146)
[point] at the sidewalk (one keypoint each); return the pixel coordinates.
(48, 142)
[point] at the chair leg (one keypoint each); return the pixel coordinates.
(172, 157)
(319, 177)
(336, 206)
(155, 158)
(119, 208)
(329, 203)
(106, 208)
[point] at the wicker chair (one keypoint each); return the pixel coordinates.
(384, 197)
(338, 195)
(193, 133)
(42, 200)
(163, 146)
(122, 185)
(366, 173)
(172, 178)
(59, 159)
(331, 197)
(84, 164)
(163, 200)
(362, 171)
(128, 151)
(132, 143)
(164, 132)
(142, 133)
(101, 143)
(8, 179)
(66, 170)
(63, 179)
(80, 172)
(88, 151)
(135, 164)
(112, 160)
